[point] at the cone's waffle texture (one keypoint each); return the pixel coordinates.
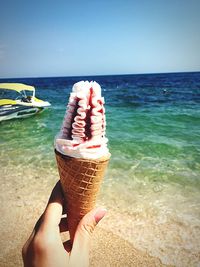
(80, 181)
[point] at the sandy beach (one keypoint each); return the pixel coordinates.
(23, 200)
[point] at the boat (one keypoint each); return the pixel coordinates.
(23, 105)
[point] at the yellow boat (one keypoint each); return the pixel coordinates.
(22, 105)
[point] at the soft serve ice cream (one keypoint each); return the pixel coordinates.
(81, 151)
(83, 130)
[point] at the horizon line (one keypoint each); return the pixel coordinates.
(98, 75)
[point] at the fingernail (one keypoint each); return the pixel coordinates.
(100, 213)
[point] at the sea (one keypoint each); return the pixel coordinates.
(152, 185)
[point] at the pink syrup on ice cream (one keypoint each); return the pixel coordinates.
(83, 129)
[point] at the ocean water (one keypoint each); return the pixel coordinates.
(153, 180)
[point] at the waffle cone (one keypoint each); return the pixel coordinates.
(80, 181)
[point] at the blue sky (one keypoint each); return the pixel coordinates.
(68, 38)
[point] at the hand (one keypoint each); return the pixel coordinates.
(44, 248)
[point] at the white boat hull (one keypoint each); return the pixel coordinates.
(18, 111)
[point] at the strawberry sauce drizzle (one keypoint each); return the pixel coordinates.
(95, 146)
(88, 123)
(73, 117)
(88, 133)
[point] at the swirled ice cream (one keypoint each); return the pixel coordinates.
(83, 130)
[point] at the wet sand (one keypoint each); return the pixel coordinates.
(23, 200)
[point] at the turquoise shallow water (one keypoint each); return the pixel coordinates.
(168, 139)
(153, 126)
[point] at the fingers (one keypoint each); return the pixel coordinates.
(83, 236)
(56, 194)
(53, 212)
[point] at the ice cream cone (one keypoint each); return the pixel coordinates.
(80, 180)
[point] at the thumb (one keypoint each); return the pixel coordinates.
(87, 224)
(81, 245)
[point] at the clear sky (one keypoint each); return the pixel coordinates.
(68, 38)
